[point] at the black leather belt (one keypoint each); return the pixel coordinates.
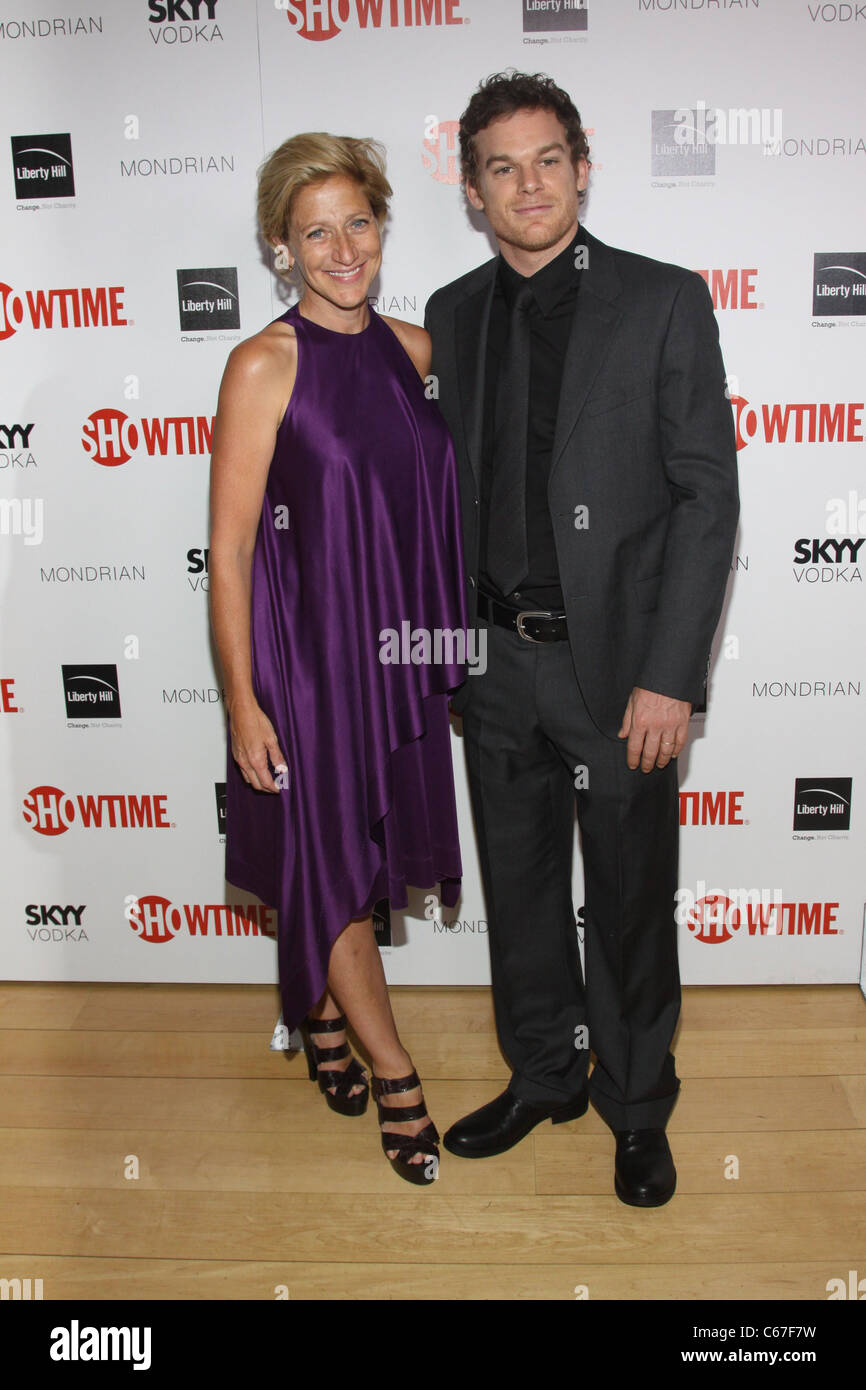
(534, 625)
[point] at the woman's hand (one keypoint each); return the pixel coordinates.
(253, 742)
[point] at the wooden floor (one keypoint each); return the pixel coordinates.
(249, 1187)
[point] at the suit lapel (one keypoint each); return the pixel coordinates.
(595, 322)
(471, 320)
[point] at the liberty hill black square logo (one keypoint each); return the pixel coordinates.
(42, 165)
(208, 298)
(220, 789)
(822, 803)
(679, 145)
(553, 16)
(839, 284)
(91, 692)
(382, 922)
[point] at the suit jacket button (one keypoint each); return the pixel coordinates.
(471, 581)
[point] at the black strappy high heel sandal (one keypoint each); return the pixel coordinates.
(354, 1074)
(406, 1145)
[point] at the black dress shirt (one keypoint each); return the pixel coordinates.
(551, 313)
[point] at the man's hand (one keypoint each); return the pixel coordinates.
(656, 728)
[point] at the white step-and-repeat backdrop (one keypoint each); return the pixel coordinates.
(727, 137)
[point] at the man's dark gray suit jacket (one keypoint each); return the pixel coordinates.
(644, 444)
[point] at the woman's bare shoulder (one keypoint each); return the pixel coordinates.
(265, 354)
(414, 339)
(260, 374)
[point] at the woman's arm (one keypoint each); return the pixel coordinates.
(254, 392)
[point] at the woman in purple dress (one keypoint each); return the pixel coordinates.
(336, 589)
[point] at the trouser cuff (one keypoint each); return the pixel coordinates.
(647, 1114)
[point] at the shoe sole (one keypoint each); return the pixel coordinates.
(572, 1111)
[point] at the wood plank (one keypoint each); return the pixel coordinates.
(855, 1089)
(779, 1052)
(782, 1052)
(348, 1158)
(408, 1225)
(69, 1277)
(425, 1008)
(70, 1102)
(35, 1004)
(151, 1007)
(219, 1054)
(716, 1007)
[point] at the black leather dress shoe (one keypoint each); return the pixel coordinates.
(503, 1122)
(645, 1175)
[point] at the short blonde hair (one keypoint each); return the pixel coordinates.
(311, 158)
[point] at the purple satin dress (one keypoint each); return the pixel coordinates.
(359, 534)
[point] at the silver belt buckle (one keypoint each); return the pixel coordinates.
(531, 613)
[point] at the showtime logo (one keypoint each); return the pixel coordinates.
(111, 438)
(811, 423)
(324, 19)
(50, 811)
(77, 307)
(440, 153)
(731, 289)
(7, 696)
(716, 917)
(158, 920)
(711, 808)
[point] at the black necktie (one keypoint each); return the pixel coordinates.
(507, 562)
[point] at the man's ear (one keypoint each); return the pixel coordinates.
(474, 196)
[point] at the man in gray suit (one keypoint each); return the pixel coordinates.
(585, 393)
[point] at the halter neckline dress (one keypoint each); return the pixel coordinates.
(360, 535)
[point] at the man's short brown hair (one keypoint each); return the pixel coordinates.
(504, 93)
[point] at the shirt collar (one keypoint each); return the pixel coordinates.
(551, 283)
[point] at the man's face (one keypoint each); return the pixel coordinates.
(526, 183)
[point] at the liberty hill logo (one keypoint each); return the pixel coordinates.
(553, 16)
(208, 298)
(381, 915)
(822, 803)
(839, 283)
(91, 692)
(674, 155)
(43, 166)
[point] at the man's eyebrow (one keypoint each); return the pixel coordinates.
(507, 159)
